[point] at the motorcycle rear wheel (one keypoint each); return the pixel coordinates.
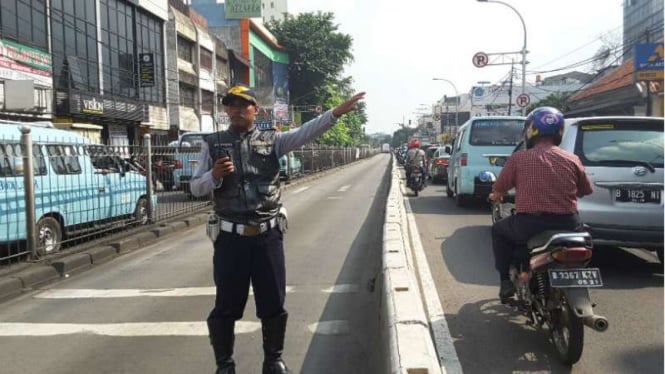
(567, 333)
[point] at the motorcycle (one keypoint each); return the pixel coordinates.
(416, 181)
(551, 285)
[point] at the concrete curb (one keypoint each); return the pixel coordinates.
(410, 345)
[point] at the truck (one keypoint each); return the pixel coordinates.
(385, 148)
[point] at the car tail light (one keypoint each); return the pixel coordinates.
(462, 159)
(178, 164)
(576, 255)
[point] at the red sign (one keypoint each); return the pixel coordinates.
(480, 59)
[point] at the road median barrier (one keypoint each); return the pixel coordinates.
(410, 347)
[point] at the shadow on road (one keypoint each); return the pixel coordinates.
(467, 253)
(364, 342)
(504, 342)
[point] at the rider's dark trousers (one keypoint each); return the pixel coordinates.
(511, 234)
(239, 260)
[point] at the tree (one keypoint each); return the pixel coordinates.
(556, 100)
(317, 54)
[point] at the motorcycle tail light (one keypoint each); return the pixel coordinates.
(441, 162)
(576, 255)
(178, 164)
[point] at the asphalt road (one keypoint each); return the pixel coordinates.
(493, 338)
(145, 311)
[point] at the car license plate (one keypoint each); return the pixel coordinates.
(626, 195)
(589, 277)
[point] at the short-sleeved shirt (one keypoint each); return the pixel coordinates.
(546, 179)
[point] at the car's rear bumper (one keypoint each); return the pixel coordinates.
(626, 236)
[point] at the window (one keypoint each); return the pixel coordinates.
(496, 132)
(272, 5)
(620, 144)
(187, 95)
(64, 159)
(118, 54)
(24, 21)
(11, 160)
(207, 102)
(184, 49)
(206, 59)
(149, 37)
(74, 43)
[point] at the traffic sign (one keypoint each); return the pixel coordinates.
(523, 100)
(436, 117)
(319, 109)
(480, 59)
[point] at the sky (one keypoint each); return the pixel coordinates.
(399, 46)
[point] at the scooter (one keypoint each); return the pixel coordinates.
(552, 289)
(416, 181)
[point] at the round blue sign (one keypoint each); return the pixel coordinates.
(478, 91)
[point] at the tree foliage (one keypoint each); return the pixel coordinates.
(317, 56)
(317, 53)
(556, 100)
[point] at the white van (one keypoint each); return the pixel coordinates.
(79, 187)
(477, 144)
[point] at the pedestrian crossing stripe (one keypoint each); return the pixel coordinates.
(80, 293)
(133, 329)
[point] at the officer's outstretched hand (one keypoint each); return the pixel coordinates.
(348, 106)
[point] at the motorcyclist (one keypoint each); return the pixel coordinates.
(547, 182)
(414, 157)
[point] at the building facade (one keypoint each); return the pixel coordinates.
(642, 23)
(109, 68)
(274, 10)
(25, 61)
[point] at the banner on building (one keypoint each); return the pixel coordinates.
(19, 62)
(237, 9)
(147, 69)
(649, 62)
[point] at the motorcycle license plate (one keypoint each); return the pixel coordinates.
(588, 277)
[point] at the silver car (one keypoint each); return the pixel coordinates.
(623, 157)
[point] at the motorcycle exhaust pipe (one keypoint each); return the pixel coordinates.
(596, 322)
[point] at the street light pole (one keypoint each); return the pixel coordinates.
(456, 100)
(524, 52)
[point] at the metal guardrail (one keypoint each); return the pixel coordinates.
(64, 194)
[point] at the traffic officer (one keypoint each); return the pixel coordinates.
(240, 167)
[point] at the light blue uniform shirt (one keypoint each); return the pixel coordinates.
(202, 182)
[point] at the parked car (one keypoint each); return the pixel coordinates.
(477, 142)
(187, 154)
(289, 166)
(438, 169)
(79, 187)
(163, 168)
(623, 157)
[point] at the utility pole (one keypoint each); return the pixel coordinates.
(510, 88)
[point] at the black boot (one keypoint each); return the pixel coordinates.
(222, 337)
(273, 343)
(506, 291)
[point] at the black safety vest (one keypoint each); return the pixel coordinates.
(252, 194)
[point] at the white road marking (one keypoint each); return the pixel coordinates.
(199, 328)
(301, 189)
(344, 188)
(445, 347)
(342, 288)
(330, 328)
(334, 198)
(131, 292)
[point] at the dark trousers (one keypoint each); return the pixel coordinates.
(512, 233)
(239, 260)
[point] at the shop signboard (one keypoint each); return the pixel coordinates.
(237, 9)
(649, 62)
(19, 62)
